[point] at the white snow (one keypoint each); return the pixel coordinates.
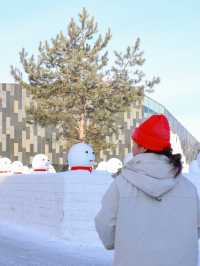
(194, 174)
(49, 219)
(61, 204)
(177, 148)
(25, 247)
(114, 165)
(83, 194)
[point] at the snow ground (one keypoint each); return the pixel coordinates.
(25, 247)
(22, 247)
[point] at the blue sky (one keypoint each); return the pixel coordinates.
(169, 32)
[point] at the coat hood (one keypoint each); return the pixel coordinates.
(151, 173)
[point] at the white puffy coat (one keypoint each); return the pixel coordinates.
(149, 217)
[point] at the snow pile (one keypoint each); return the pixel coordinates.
(194, 173)
(112, 166)
(177, 148)
(25, 247)
(83, 194)
(102, 166)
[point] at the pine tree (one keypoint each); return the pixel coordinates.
(73, 88)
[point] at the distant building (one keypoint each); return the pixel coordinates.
(189, 144)
(21, 141)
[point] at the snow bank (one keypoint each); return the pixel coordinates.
(33, 200)
(28, 247)
(59, 204)
(83, 194)
(194, 175)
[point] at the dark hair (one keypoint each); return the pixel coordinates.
(174, 159)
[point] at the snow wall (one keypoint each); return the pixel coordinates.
(61, 204)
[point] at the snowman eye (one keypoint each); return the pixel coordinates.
(93, 152)
(86, 151)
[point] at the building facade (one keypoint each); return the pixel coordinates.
(189, 144)
(21, 141)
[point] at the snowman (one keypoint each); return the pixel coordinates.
(17, 167)
(84, 188)
(81, 157)
(40, 163)
(114, 165)
(194, 173)
(5, 166)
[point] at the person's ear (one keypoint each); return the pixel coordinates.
(143, 150)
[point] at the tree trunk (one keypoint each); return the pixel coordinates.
(82, 128)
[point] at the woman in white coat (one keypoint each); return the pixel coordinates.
(150, 214)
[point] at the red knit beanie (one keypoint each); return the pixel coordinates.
(153, 133)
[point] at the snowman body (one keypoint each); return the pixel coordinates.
(84, 189)
(5, 166)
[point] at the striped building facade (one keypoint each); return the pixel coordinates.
(18, 139)
(21, 141)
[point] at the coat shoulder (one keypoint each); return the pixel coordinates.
(187, 186)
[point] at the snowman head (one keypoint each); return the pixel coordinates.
(17, 167)
(5, 164)
(40, 161)
(81, 154)
(114, 165)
